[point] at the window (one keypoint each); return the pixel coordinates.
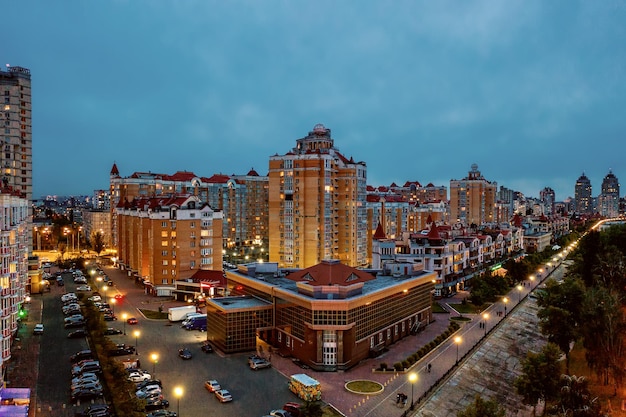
(163, 224)
(164, 243)
(192, 225)
(164, 272)
(165, 262)
(192, 264)
(164, 253)
(164, 233)
(192, 244)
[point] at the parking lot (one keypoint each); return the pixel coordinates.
(254, 393)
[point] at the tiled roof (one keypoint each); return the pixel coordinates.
(331, 273)
(380, 233)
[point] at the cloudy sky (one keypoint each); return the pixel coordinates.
(532, 91)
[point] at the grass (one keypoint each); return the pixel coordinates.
(467, 308)
(153, 314)
(330, 412)
(364, 386)
(436, 307)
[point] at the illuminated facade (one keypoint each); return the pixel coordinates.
(472, 199)
(317, 204)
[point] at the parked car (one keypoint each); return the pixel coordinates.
(110, 331)
(184, 353)
(148, 391)
(80, 355)
(259, 363)
(87, 376)
(83, 287)
(144, 384)
(280, 413)
(38, 328)
(293, 408)
(89, 366)
(74, 324)
(223, 395)
(212, 385)
(206, 347)
(95, 410)
(158, 404)
(138, 376)
(87, 394)
(87, 384)
(161, 413)
(74, 317)
(77, 334)
(109, 317)
(70, 296)
(121, 350)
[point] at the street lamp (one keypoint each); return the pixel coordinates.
(457, 341)
(113, 301)
(505, 300)
(412, 380)
(124, 317)
(136, 334)
(485, 318)
(154, 358)
(519, 294)
(178, 392)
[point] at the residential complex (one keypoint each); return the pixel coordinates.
(472, 199)
(317, 207)
(168, 238)
(583, 196)
(608, 200)
(19, 275)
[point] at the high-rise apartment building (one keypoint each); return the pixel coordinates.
(472, 199)
(164, 239)
(582, 195)
(317, 204)
(608, 200)
(16, 158)
(548, 198)
(15, 278)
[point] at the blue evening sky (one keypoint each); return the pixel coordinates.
(532, 91)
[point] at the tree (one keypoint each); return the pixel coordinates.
(540, 376)
(98, 242)
(482, 408)
(311, 409)
(575, 399)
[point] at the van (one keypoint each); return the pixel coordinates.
(196, 323)
(189, 316)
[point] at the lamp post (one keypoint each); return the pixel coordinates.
(457, 341)
(519, 293)
(136, 334)
(505, 300)
(154, 358)
(485, 318)
(412, 380)
(113, 301)
(124, 317)
(178, 392)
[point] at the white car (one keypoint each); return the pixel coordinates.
(223, 395)
(38, 329)
(70, 296)
(86, 377)
(138, 376)
(83, 288)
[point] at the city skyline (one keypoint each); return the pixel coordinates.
(529, 91)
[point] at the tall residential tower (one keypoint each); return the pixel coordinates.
(317, 204)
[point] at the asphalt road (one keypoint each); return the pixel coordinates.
(255, 393)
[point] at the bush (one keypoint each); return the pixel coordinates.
(383, 366)
(397, 366)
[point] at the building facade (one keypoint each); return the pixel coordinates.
(317, 204)
(472, 199)
(608, 200)
(329, 316)
(16, 281)
(583, 195)
(164, 239)
(97, 221)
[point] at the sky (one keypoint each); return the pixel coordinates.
(531, 91)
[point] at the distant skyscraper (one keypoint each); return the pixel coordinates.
(582, 195)
(472, 199)
(608, 200)
(317, 204)
(548, 198)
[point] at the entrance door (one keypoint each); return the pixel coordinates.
(329, 348)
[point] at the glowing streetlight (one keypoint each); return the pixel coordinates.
(124, 317)
(154, 358)
(113, 301)
(136, 334)
(412, 380)
(178, 392)
(519, 294)
(505, 300)
(485, 318)
(457, 341)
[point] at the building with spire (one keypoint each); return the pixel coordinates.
(317, 204)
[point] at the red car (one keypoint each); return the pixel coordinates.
(132, 320)
(119, 296)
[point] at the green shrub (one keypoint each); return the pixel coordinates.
(383, 366)
(397, 366)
